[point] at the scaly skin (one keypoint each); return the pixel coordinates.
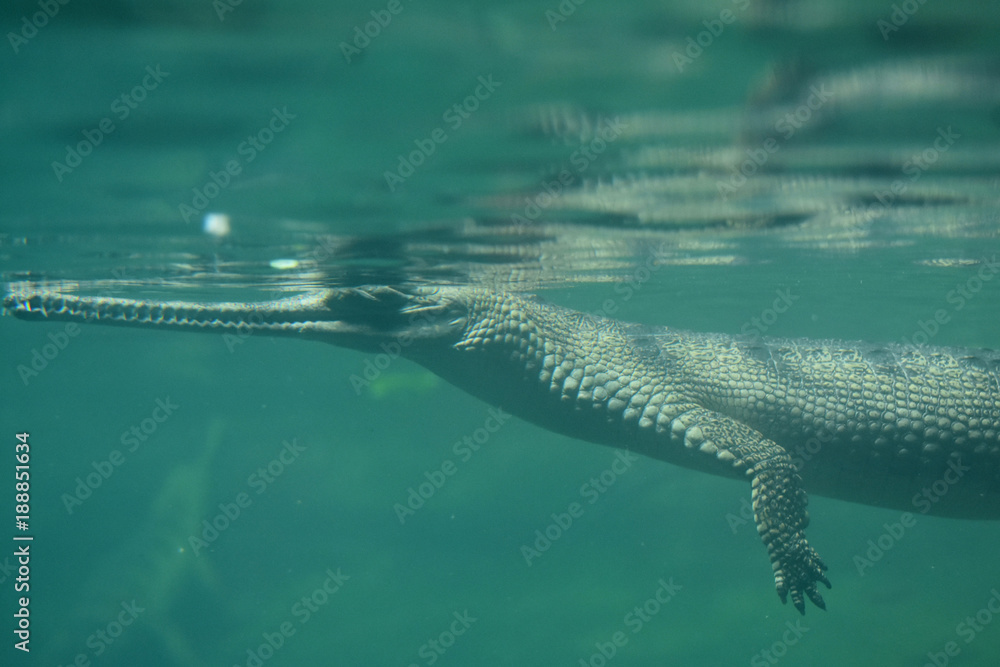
(907, 428)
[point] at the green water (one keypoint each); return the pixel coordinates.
(317, 191)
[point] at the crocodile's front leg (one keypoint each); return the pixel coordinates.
(779, 502)
(595, 379)
(565, 371)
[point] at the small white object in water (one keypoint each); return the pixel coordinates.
(284, 264)
(216, 224)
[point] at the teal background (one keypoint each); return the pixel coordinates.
(114, 226)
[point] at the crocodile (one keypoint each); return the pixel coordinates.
(904, 427)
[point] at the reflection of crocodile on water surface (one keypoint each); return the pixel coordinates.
(884, 425)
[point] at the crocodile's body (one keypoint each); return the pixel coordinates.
(916, 429)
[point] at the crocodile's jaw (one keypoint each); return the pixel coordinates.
(347, 317)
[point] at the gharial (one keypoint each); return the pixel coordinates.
(875, 424)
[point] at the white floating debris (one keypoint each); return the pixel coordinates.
(284, 264)
(216, 224)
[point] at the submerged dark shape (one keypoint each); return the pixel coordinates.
(874, 424)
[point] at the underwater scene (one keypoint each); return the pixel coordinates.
(193, 486)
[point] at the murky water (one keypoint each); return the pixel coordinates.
(792, 169)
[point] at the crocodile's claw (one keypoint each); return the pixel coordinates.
(796, 571)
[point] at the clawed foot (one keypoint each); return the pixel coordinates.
(796, 571)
